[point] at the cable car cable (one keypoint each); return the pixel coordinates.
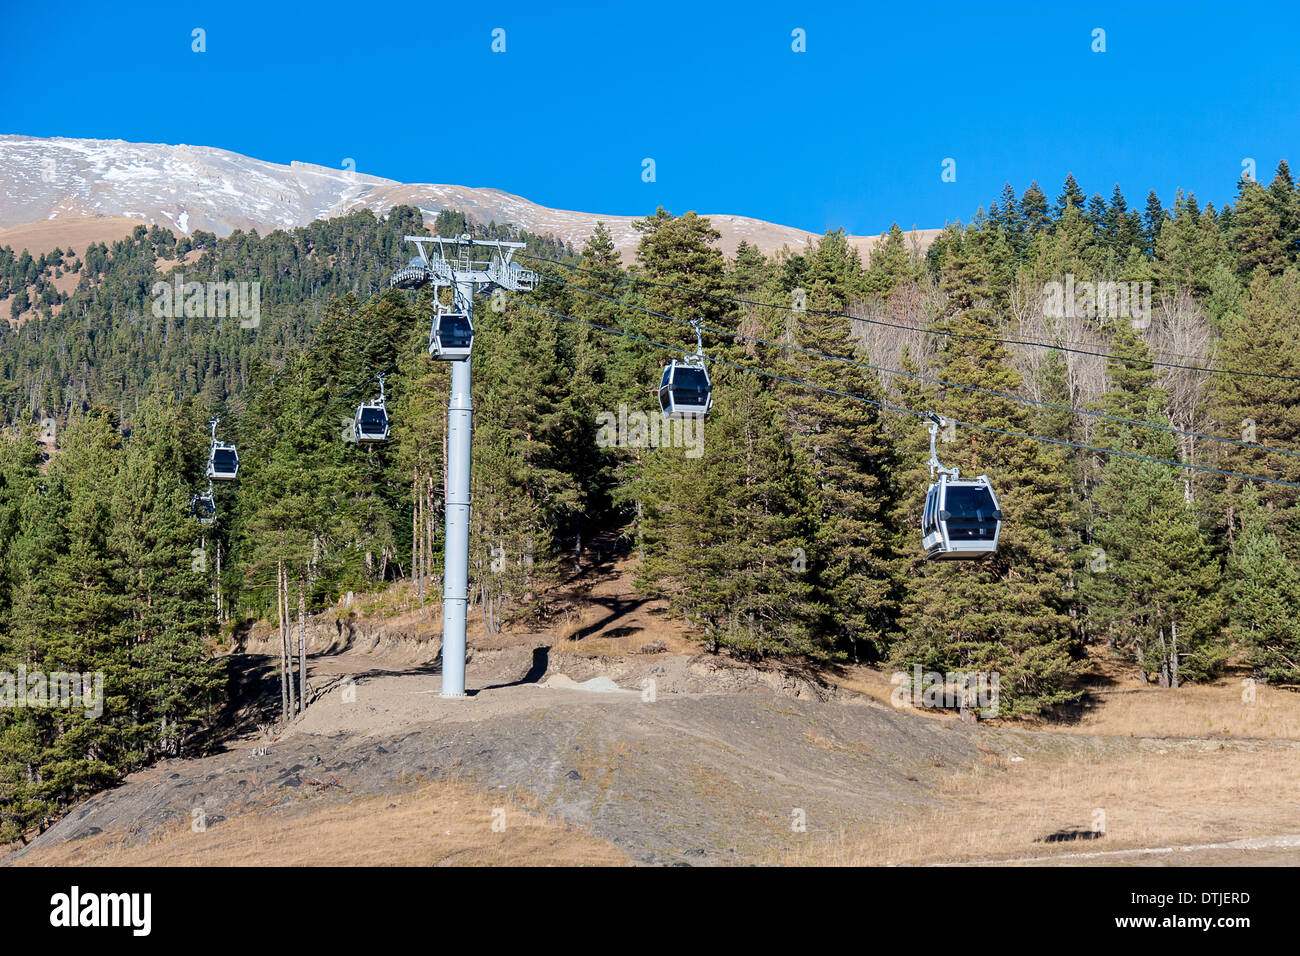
(935, 381)
(909, 411)
(633, 280)
(922, 331)
(344, 397)
(340, 322)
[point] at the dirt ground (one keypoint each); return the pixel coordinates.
(691, 775)
(607, 739)
(440, 824)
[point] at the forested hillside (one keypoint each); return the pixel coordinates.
(794, 533)
(103, 344)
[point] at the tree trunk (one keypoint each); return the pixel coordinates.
(424, 537)
(279, 610)
(417, 547)
(302, 645)
(1173, 654)
(429, 512)
(216, 584)
(288, 644)
(640, 543)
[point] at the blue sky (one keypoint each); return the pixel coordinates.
(851, 133)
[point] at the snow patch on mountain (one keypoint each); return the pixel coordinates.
(202, 187)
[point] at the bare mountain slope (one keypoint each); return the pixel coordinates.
(199, 187)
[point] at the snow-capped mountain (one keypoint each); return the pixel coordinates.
(199, 187)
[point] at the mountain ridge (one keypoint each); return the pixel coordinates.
(115, 183)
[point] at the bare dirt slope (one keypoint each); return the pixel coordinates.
(712, 770)
(615, 741)
(67, 233)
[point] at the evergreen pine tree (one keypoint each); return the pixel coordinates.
(849, 453)
(1154, 586)
(1257, 230)
(1152, 219)
(1033, 209)
(1264, 595)
(889, 265)
(1285, 199)
(1010, 613)
(1189, 247)
(724, 532)
(1123, 228)
(1259, 335)
(1071, 195)
(161, 571)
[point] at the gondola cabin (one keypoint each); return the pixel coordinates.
(371, 422)
(204, 507)
(451, 337)
(223, 462)
(961, 519)
(685, 390)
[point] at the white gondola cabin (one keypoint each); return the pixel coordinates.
(204, 506)
(961, 519)
(371, 422)
(685, 389)
(451, 337)
(223, 462)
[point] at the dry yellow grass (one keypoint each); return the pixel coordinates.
(438, 825)
(1001, 808)
(67, 232)
(876, 684)
(1131, 709)
(1194, 710)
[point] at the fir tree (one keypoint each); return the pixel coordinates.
(1257, 230)
(1011, 219)
(848, 452)
(1152, 220)
(1071, 196)
(1259, 335)
(1264, 595)
(1033, 209)
(1153, 588)
(724, 532)
(1008, 614)
(1285, 200)
(1123, 228)
(889, 265)
(161, 570)
(1189, 247)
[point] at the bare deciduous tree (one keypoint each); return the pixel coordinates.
(887, 326)
(1180, 333)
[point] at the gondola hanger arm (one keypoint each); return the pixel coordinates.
(935, 422)
(698, 354)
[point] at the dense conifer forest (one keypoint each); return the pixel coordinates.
(794, 533)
